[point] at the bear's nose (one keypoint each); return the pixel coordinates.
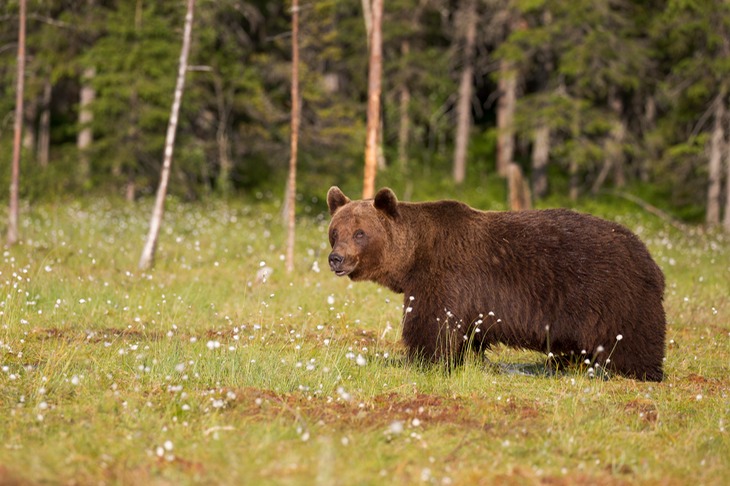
(335, 260)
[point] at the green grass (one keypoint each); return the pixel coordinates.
(195, 372)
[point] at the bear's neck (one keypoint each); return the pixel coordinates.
(426, 239)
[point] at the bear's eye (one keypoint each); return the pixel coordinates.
(359, 234)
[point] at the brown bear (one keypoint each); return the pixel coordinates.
(555, 281)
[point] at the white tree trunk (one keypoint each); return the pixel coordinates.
(715, 163)
(86, 117)
(505, 117)
(18, 132)
(148, 253)
(292, 182)
(540, 156)
(367, 15)
(466, 87)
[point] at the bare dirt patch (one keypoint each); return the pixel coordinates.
(95, 335)
(420, 409)
(645, 409)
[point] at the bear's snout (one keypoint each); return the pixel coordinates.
(336, 263)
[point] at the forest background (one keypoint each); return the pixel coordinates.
(585, 96)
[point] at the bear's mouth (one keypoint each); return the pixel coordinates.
(344, 269)
(343, 272)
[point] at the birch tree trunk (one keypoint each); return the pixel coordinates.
(18, 131)
(540, 155)
(367, 15)
(717, 141)
(505, 117)
(649, 125)
(86, 117)
(148, 253)
(292, 183)
(30, 129)
(463, 123)
(374, 89)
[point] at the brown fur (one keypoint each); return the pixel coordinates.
(551, 280)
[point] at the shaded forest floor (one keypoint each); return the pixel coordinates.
(200, 372)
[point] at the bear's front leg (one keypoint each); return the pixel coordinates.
(433, 336)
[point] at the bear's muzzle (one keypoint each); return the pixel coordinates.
(339, 266)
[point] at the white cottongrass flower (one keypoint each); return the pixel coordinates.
(343, 394)
(395, 427)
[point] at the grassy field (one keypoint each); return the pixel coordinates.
(198, 372)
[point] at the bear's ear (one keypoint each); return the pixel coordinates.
(386, 202)
(336, 199)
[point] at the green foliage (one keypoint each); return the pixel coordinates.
(584, 68)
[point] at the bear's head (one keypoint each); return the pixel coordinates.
(361, 234)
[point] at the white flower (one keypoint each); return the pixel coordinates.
(395, 427)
